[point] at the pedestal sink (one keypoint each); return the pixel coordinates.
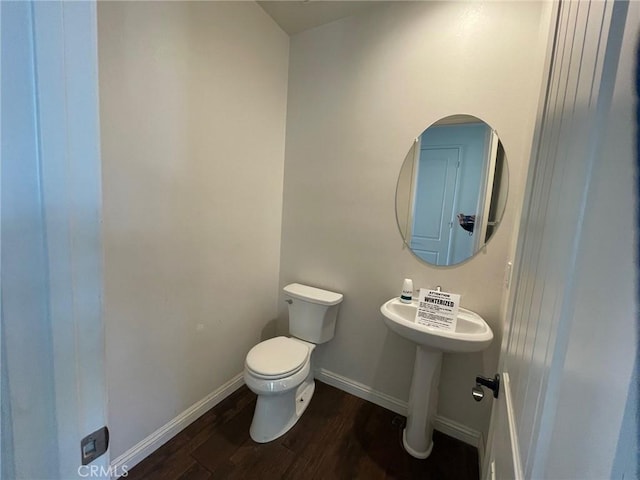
(472, 334)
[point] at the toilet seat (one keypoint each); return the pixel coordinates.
(277, 358)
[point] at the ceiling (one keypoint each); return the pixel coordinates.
(296, 16)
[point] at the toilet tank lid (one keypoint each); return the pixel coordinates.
(313, 294)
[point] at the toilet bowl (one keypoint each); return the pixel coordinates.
(279, 370)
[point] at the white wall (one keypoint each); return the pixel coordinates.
(193, 103)
(597, 374)
(360, 90)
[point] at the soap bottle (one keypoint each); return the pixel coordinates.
(407, 291)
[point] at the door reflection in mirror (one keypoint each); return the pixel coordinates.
(452, 190)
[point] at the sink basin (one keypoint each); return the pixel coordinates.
(472, 333)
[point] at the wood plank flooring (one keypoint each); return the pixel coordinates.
(339, 437)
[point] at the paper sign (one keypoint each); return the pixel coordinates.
(438, 309)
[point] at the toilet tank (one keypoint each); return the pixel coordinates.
(312, 312)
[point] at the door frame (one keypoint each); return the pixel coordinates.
(66, 47)
(581, 63)
(67, 144)
(486, 190)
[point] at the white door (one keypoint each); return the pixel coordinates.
(52, 342)
(434, 203)
(543, 294)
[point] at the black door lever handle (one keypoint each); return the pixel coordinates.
(492, 383)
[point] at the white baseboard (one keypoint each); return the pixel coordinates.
(361, 391)
(448, 427)
(460, 432)
(143, 449)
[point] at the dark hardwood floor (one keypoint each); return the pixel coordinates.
(339, 437)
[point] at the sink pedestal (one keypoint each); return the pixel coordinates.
(472, 334)
(423, 402)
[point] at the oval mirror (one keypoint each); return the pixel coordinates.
(452, 190)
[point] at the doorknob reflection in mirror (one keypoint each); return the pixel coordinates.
(467, 222)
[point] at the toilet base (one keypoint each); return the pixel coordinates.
(275, 415)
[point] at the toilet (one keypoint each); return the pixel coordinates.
(279, 370)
